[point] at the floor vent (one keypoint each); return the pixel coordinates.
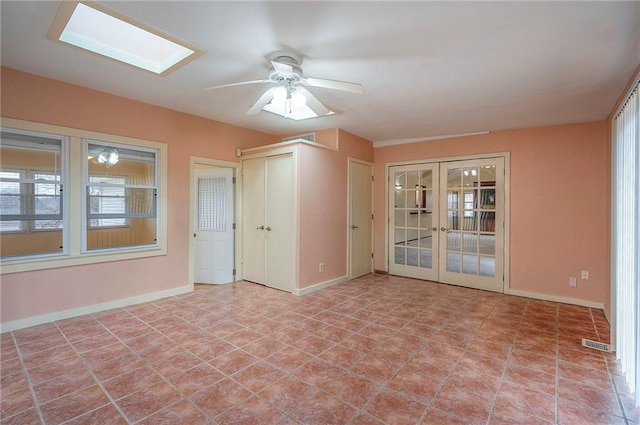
(601, 346)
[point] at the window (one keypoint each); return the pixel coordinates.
(107, 197)
(71, 197)
(10, 200)
(31, 193)
(469, 204)
(121, 196)
(626, 238)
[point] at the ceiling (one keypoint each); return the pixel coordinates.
(428, 68)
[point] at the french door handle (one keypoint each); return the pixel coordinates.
(260, 228)
(353, 226)
(444, 229)
(268, 229)
(435, 229)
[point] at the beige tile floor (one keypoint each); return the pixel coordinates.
(376, 350)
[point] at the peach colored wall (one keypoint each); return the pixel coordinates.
(560, 201)
(322, 191)
(32, 98)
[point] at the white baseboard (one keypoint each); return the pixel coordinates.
(319, 286)
(66, 314)
(546, 297)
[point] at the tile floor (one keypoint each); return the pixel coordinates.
(376, 350)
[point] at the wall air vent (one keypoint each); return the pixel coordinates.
(310, 137)
(600, 346)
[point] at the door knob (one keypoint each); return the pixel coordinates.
(260, 228)
(194, 235)
(434, 229)
(444, 229)
(268, 229)
(353, 226)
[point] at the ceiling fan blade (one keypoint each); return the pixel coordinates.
(313, 103)
(261, 102)
(242, 83)
(332, 84)
(283, 69)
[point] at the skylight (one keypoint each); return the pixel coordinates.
(98, 29)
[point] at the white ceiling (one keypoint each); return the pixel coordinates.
(428, 68)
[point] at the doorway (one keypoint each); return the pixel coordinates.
(360, 218)
(214, 227)
(446, 222)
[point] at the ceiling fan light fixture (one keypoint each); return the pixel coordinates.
(291, 104)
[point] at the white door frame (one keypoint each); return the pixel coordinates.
(349, 231)
(193, 199)
(507, 200)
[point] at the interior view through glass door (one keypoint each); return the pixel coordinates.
(446, 222)
(413, 250)
(471, 228)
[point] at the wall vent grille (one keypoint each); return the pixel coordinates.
(601, 346)
(309, 137)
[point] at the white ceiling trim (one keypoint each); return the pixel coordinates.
(383, 143)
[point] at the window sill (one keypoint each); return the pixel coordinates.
(19, 265)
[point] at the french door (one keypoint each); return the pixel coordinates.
(447, 222)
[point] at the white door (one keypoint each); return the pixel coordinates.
(413, 218)
(472, 223)
(361, 219)
(268, 221)
(214, 261)
(279, 223)
(253, 220)
(447, 222)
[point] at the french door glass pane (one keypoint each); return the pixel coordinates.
(470, 264)
(413, 208)
(471, 220)
(426, 258)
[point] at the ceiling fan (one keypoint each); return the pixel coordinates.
(288, 96)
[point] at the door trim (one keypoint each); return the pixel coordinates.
(193, 199)
(507, 201)
(349, 232)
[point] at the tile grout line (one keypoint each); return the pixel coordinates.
(34, 399)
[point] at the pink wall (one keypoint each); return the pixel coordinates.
(560, 201)
(31, 98)
(322, 191)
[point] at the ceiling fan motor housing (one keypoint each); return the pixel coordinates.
(290, 59)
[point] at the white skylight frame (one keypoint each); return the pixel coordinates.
(93, 27)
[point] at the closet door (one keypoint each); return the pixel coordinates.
(253, 219)
(280, 222)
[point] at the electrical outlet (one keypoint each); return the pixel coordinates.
(584, 275)
(573, 282)
(321, 267)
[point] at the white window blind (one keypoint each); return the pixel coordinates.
(211, 203)
(107, 197)
(626, 237)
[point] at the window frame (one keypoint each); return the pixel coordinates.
(86, 183)
(27, 206)
(72, 240)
